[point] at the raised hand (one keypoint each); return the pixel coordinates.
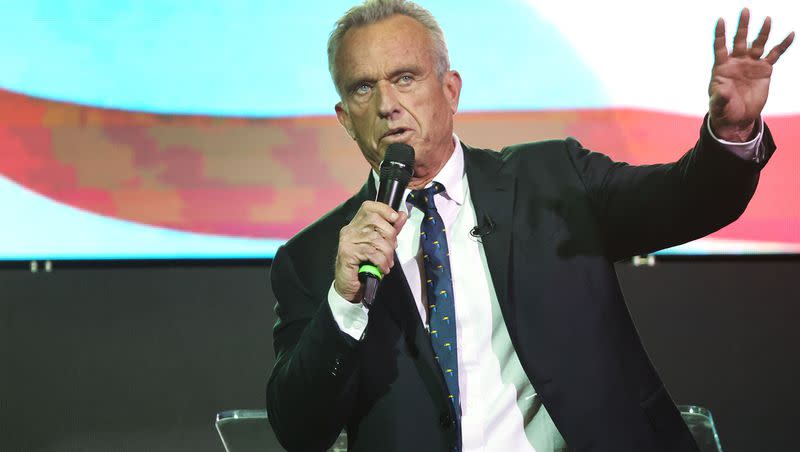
(740, 79)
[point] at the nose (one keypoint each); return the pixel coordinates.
(386, 97)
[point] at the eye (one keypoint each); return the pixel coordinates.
(405, 80)
(361, 89)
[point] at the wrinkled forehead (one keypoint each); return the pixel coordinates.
(383, 47)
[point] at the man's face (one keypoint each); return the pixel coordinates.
(391, 93)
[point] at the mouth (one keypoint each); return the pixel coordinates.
(396, 134)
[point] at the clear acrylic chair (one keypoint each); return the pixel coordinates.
(249, 430)
(701, 424)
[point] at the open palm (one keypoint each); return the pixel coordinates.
(740, 79)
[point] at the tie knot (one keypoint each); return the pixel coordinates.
(423, 199)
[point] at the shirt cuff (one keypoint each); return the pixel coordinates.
(749, 150)
(351, 317)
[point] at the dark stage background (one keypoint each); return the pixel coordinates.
(123, 357)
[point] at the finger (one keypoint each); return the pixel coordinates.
(381, 209)
(720, 49)
(398, 225)
(351, 237)
(377, 224)
(355, 255)
(376, 237)
(777, 51)
(376, 257)
(385, 246)
(740, 39)
(386, 249)
(372, 214)
(757, 48)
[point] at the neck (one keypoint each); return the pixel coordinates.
(424, 175)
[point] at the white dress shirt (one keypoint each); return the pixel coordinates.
(500, 408)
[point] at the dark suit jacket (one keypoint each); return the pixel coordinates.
(563, 216)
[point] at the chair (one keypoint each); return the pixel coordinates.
(249, 430)
(701, 424)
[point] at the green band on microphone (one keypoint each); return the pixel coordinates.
(371, 269)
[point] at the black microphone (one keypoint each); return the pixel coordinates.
(484, 229)
(396, 171)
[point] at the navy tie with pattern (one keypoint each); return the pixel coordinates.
(439, 286)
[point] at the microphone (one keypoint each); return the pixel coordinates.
(484, 229)
(396, 171)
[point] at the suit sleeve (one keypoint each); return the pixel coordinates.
(643, 209)
(312, 387)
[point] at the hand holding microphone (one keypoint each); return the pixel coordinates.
(367, 244)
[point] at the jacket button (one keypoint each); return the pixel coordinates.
(445, 421)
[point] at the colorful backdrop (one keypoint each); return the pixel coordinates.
(145, 130)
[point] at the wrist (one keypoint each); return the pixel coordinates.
(735, 133)
(352, 296)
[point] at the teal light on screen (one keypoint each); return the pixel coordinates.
(262, 58)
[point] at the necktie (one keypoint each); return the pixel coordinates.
(439, 286)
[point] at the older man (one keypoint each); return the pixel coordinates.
(520, 340)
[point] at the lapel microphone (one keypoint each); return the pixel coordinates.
(484, 229)
(396, 171)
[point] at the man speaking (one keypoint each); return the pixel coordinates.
(498, 322)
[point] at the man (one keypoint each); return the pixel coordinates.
(541, 354)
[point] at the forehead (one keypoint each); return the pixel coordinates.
(383, 46)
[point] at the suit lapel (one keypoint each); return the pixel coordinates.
(492, 193)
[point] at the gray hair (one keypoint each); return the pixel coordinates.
(372, 11)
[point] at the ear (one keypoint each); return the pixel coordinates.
(452, 88)
(344, 119)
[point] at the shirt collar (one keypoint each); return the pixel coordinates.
(451, 175)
